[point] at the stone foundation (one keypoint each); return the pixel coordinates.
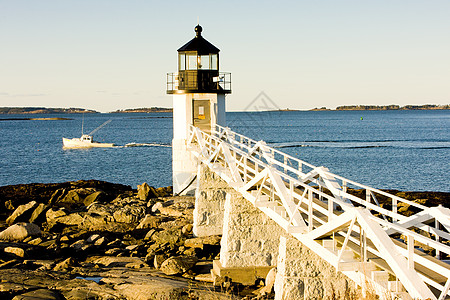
(302, 274)
(209, 202)
(250, 238)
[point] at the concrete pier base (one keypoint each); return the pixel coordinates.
(244, 275)
(250, 239)
(209, 202)
(302, 274)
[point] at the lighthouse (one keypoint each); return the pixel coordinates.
(199, 91)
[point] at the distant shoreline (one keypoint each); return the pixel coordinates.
(385, 107)
(45, 110)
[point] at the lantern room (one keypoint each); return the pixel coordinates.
(198, 69)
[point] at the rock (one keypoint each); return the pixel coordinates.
(156, 207)
(158, 260)
(97, 209)
(94, 197)
(19, 231)
(41, 193)
(149, 258)
(170, 236)
(35, 241)
(132, 247)
(70, 220)
(100, 241)
(75, 198)
(80, 245)
(199, 242)
(71, 200)
(64, 238)
(113, 251)
(149, 221)
(160, 288)
(149, 234)
(53, 214)
(8, 205)
(129, 214)
(269, 282)
(115, 243)
(44, 264)
(146, 192)
(92, 238)
(21, 212)
(168, 211)
(135, 265)
(16, 251)
(187, 229)
(91, 292)
(37, 214)
(64, 265)
(39, 294)
(111, 262)
(48, 244)
(164, 191)
(178, 264)
(190, 252)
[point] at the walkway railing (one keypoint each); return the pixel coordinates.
(375, 245)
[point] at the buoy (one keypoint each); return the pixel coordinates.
(361, 118)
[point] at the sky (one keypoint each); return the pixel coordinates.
(114, 54)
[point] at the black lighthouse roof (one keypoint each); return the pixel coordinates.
(199, 44)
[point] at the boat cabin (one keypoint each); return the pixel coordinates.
(86, 138)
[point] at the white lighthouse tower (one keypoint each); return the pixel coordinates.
(199, 91)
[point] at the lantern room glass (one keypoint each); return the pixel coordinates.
(192, 61)
(214, 62)
(182, 62)
(203, 62)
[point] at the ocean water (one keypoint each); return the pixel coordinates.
(404, 150)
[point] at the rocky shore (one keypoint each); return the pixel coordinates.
(98, 240)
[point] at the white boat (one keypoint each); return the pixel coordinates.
(86, 140)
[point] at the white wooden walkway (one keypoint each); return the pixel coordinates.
(374, 245)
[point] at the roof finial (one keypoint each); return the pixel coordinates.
(198, 30)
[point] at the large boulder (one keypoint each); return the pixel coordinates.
(74, 198)
(178, 264)
(150, 221)
(146, 192)
(171, 236)
(17, 251)
(19, 232)
(94, 197)
(71, 220)
(129, 214)
(38, 213)
(22, 212)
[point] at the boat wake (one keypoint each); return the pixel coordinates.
(146, 145)
(366, 144)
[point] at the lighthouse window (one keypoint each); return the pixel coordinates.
(182, 62)
(203, 62)
(214, 61)
(192, 62)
